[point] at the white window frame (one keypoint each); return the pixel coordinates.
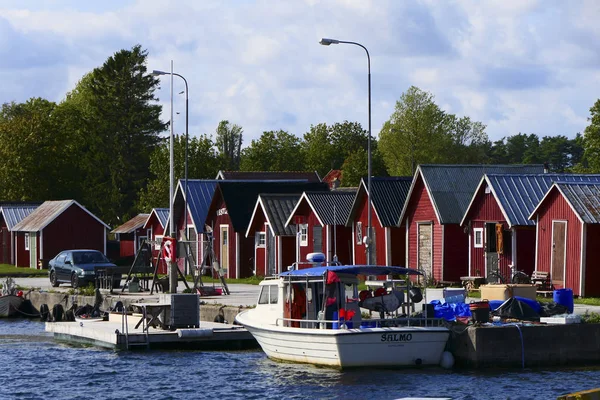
(262, 239)
(303, 229)
(27, 241)
(478, 244)
(158, 239)
(359, 235)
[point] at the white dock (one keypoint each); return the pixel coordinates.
(115, 335)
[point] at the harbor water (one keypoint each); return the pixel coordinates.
(36, 366)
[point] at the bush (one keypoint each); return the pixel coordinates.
(590, 318)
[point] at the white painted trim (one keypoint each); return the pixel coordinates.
(471, 247)
(565, 252)
(582, 263)
(328, 247)
(443, 250)
(388, 242)
(41, 249)
(353, 245)
(481, 181)
(475, 245)
(279, 266)
(406, 245)
(266, 266)
(430, 223)
(258, 203)
(221, 226)
(237, 255)
(537, 242)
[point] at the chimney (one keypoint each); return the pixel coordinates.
(546, 167)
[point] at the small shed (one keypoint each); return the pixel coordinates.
(155, 226)
(130, 236)
(56, 226)
(274, 241)
(500, 233)
(321, 220)
(10, 215)
(388, 240)
(568, 231)
(437, 201)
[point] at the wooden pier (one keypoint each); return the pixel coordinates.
(116, 334)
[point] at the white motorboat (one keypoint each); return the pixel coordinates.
(298, 318)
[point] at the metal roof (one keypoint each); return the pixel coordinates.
(583, 197)
(306, 176)
(200, 195)
(46, 213)
(277, 208)
(162, 214)
(14, 213)
(451, 186)
(332, 208)
(388, 198)
(133, 224)
(241, 197)
(519, 194)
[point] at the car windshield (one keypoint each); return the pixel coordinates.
(89, 257)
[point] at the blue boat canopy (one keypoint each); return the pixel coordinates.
(353, 269)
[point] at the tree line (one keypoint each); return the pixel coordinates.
(104, 144)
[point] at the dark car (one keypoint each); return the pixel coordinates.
(77, 267)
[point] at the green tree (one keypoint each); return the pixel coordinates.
(117, 103)
(273, 151)
(416, 133)
(591, 140)
(469, 140)
(202, 164)
(36, 151)
(355, 166)
(229, 145)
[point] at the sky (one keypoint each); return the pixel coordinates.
(515, 65)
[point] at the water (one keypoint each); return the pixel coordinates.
(35, 366)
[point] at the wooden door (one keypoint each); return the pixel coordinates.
(559, 238)
(225, 249)
(5, 246)
(491, 252)
(33, 250)
(424, 247)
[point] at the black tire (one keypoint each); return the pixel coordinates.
(75, 281)
(521, 277)
(53, 279)
(57, 312)
(44, 312)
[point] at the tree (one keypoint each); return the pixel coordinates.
(202, 164)
(273, 151)
(39, 161)
(591, 139)
(356, 166)
(229, 145)
(116, 102)
(414, 134)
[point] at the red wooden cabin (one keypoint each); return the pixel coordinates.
(131, 235)
(10, 215)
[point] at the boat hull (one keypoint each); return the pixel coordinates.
(347, 348)
(9, 305)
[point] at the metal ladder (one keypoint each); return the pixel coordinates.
(125, 329)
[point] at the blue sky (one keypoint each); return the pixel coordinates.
(515, 65)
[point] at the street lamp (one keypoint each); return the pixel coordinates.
(173, 274)
(327, 42)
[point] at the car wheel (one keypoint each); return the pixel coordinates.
(53, 280)
(74, 281)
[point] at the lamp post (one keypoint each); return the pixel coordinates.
(173, 286)
(327, 42)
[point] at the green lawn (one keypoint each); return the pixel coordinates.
(11, 270)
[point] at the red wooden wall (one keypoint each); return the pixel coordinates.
(555, 208)
(456, 253)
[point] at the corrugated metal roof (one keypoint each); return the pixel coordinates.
(585, 199)
(241, 197)
(388, 198)
(308, 176)
(519, 194)
(46, 213)
(278, 208)
(332, 208)
(133, 224)
(200, 195)
(163, 215)
(451, 187)
(13, 213)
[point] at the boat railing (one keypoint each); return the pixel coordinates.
(365, 323)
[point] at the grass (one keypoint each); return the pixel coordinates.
(11, 270)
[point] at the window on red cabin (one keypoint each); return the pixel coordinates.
(303, 234)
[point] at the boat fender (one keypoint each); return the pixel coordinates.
(44, 312)
(447, 360)
(194, 333)
(418, 361)
(57, 312)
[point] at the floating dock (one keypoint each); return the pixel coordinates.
(117, 335)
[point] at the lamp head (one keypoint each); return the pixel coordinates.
(157, 72)
(327, 42)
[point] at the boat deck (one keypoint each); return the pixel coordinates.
(112, 334)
